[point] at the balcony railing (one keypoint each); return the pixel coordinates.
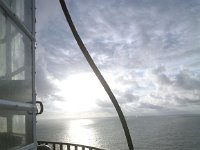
(67, 146)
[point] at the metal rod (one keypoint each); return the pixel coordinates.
(54, 146)
(16, 105)
(68, 147)
(98, 74)
(61, 147)
(76, 148)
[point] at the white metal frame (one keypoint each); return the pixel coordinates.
(18, 22)
(15, 105)
(33, 72)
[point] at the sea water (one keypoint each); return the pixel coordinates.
(148, 133)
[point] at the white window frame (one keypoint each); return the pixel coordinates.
(16, 105)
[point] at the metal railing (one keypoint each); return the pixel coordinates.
(67, 146)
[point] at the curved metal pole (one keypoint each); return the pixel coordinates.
(98, 74)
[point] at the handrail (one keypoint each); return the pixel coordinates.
(61, 146)
(17, 105)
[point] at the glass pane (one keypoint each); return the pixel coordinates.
(22, 9)
(2, 46)
(18, 124)
(15, 62)
(15, 129)
(3, 124)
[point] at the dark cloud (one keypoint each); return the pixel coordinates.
(156, 96)
(124, 99)
(185, 81)
(187, 101)
(44, 86)
(150, 106)
(104, 104)
(164, 79)
(161, 77)
(127, 97)
(159, 70)
(180, 89)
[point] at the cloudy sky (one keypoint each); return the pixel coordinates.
(147, 50)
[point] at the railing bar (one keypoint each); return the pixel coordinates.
(54, 148)
(76, 147)
(68, 147)
(61, 146)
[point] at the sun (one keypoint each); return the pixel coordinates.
(80, 91)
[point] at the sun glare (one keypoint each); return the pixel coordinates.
(80, 132)
(80, 92)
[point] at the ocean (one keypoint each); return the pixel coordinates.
(148, 132)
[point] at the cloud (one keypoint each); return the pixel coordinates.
(124, 99)
(44, 85)
(150, 106)
(185, 81)
(188, 101)
(180, 89)
(164, 79)
(104, 104)
(128, 98)
(148, 51)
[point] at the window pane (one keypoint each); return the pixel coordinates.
(15, 129)
(18, 123)
(2, 46)
(3, 124)
(15, 62)
(2, 60)
(22, 9)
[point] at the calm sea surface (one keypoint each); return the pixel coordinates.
(148, 133)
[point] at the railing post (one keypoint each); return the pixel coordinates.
(54, 147)
(68, 147)
(61, 146)
(76, 148)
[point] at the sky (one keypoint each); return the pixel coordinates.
(147, 50)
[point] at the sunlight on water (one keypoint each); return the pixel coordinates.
(80, 132)
(149, 133)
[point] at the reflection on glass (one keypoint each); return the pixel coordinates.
(3, 124)
(15, 62)
(18, 123)
(2, 45)
(79, 131)
(15, 129)
(22, 9)
(17, 56)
